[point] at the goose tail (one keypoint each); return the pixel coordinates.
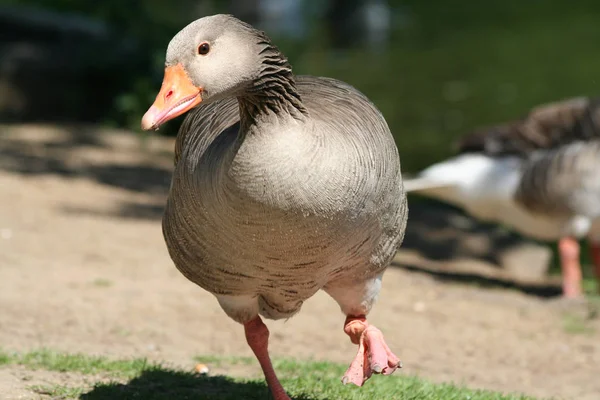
(425, 184)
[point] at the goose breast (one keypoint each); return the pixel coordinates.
(295, 206)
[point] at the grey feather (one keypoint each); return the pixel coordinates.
(544, 127)
(563, 182)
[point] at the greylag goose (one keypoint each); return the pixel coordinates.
(539, 175)
(283, 185)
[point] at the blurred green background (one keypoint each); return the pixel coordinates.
(442, 69)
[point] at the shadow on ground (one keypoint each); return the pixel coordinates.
(161, 384)
(444, 242)
(62, 150)
(542, 289)
(443, 232)
(112, 158)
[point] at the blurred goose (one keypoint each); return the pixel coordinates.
(282, 186)
(539, 175)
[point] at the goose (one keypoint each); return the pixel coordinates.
(539, 175)
(283, 186)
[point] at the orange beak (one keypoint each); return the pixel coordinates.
(177, 95)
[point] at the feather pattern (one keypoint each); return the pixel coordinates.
(293, 187)
(544, 127)
(564, 183)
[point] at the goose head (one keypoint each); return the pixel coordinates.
(211, 58)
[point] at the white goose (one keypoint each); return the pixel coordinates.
(539, 175)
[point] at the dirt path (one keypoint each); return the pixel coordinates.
(83, 268)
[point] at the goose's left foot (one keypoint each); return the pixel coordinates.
(374, 356)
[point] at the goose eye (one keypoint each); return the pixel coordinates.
(203, 49)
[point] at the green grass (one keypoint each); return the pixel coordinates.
(220, 361)
(578, 325)
(138, 379)
(101, 282)
(84, 364)
(58, 391)
(582, 323)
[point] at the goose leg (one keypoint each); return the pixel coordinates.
(568, 249)
(374, 356)
(257, 336)
(595, 250)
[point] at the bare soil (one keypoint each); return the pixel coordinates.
(83, 268)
